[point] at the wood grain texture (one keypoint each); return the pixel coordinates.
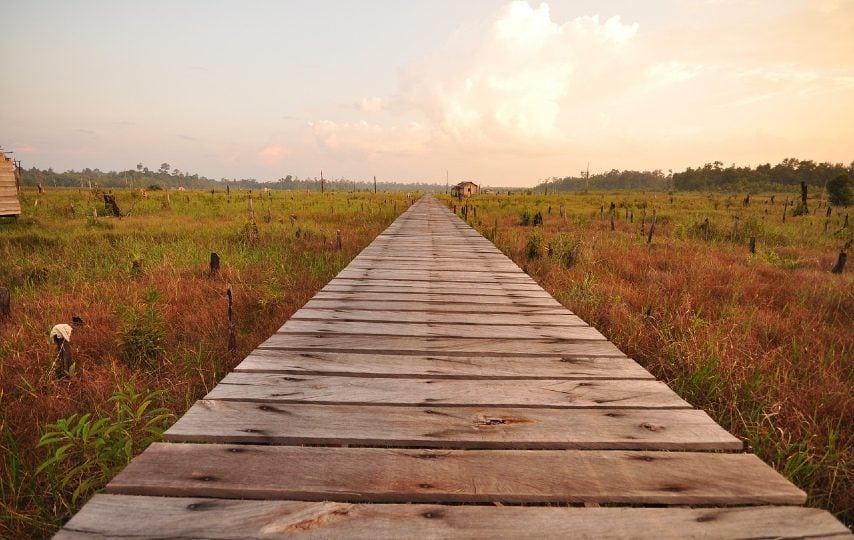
(458, 346)
(368, 364)
(510, 299)
(449, 427)
(423, 329)
(534, 319)
(460, 392)
(400, 475)
(436, 306)
(122, 516)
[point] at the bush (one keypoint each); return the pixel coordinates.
(534, 244)
(839, 190)
(84, 452)
(143, 333)
(155, 187)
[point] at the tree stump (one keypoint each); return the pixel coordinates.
(5, 303)
(214, 264)
(111, 205)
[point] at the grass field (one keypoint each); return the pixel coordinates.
(153, 320)
(761, 341)
(764, 342)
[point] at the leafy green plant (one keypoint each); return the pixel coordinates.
(143, 333)
(85, 451)
(534, 244)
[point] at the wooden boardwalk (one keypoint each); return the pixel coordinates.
(433, 390)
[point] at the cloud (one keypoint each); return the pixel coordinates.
(371, 105)
(363, 138)
(273, 153)
(511, 88)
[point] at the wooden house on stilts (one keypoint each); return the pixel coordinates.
(10, 206)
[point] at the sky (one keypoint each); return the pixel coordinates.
(501, 93)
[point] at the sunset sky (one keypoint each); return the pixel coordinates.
(503, 93)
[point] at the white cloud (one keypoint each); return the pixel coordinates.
(371, 104)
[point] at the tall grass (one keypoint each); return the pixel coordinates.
(153, 320)
(763, 341)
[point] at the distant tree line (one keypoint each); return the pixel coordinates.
(166, 177)
(709, 177)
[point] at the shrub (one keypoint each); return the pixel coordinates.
(534, 244)
(155, 187)
(839, 190)
(84, 452)
(143, 333)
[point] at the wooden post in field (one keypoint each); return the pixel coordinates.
(214, 264)
(829, 211)
(785, 207)
(375, 184)
(250, 210)
(752, 245)
(613, 227)
(734, 228)
(111, 205)
(651, 228)
(5, 303)
(61, 336)
(840, 261)
(232, 340)
(338, 239)
(321, 182)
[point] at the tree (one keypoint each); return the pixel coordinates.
(164, 168)
(839, 190)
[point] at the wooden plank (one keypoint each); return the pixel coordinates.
(428, 287)
(510, 298)
(617, 393)
(440, 345)
(451, 294)
(401, 475)
(440, 366)
(216, 421)
(441, 275)
(432, 307)
(369, 328)
(123, 516)
(464, 319)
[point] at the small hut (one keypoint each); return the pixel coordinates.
(464, 189)
(10, 206)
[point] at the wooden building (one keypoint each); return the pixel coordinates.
(10, 206)
(464, 189)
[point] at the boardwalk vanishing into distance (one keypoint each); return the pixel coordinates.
(431, 390)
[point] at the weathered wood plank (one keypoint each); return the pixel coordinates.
(368, 328)
(464, 319)
(618, 393)
(531, 289)
(519, 298)
(123, 516)
(456, 292)
(440, 366)
(432, 307)
(449, 276)
(217, 421)
(400, 475)
(451, 346)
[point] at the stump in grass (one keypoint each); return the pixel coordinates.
(840, 261)
(5, 303)
(111, 205)
(214, 264)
